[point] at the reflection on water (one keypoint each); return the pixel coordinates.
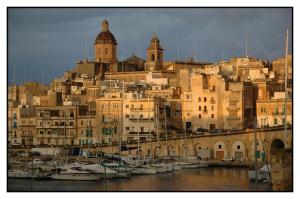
(203, 179)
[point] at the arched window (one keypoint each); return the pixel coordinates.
(275, 121)
(152, 57)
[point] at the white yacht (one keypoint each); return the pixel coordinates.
(145, 169)
(263, 174)
(73, 172)
(15, 173)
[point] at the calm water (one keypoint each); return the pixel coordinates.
(202, 179)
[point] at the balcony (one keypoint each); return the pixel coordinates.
(140, 119)
(277, 113)
(233, 118)
(140, 109)
(212, 101)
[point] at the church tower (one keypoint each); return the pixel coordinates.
(106, 47)
(154, 55)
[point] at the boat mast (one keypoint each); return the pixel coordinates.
(110, 116)
(166, 129)
(150, 155)
(138, 121)
(255, 155)
(89, 131)
(65, 134)
(285, 81)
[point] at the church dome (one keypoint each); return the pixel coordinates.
(105, 36)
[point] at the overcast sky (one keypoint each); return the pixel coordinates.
(43, 43)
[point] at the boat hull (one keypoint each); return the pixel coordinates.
(77, 176)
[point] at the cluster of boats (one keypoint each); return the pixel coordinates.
(97, 169)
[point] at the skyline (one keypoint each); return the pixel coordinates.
(35, 37)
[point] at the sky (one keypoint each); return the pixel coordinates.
(43, 43)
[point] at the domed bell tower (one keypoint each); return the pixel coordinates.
(106, 47)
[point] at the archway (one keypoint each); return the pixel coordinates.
(184, 151)
(277, 145)
(219, 150)
(202, 151)
(238, 150)
(157, 151)
(171, 151)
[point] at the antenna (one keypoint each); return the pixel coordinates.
(85, 46)
(14, 74)
(285, 79)
(195, 52)
(212, 53)
(177, 52)
(246, 44)
(223, 56)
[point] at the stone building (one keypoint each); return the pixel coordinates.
(109, 114)
(138, 117)
(271, 111)
(278, 66)
(56, 125)
(214, 102)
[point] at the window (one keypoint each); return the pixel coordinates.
(204, 99)
(141, 116)
(132, 106)
(212, 107)
(220, 146)
(199, 108)
(49, 132)
(141, 107)
(127, 128)
(127, 116)
(106, 51)
(238, 147)
(275, 121)
(152, 57)
(282, 121)
(199, 99)
(199, 115)
(41, 132)
(71, 114)
(213, 88)
(81, 122)
(212, 115)
(262, 110)
(127, 106)
(187, 96)
(205, 109)
(142, 129)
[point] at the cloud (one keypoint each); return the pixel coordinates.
(52, 40)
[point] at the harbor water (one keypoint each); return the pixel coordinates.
(201, 179)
